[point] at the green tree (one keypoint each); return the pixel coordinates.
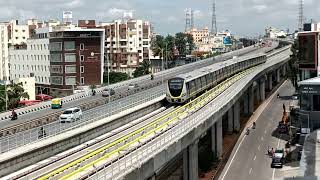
(143, 69)
(169, 47)
(293, 64)
(115, 77)
(181, 43)
(157, 44)
(15, 93)
(190, 42)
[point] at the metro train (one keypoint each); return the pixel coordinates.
(185, 87)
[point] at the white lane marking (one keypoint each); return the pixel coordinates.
(261, 138)
(250, 170)
(265, 131)
(259, 147)
(255, 157)
(234, 155)
(258, 115)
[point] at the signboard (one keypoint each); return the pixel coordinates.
(227, 40)
(308, 49)
(67, 16)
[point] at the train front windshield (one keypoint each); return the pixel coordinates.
(175, 87)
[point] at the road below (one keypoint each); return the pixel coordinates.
(249, 159)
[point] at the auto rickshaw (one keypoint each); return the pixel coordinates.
(56, 103)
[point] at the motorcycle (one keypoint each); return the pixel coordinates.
(247, 131)
(14, 117)
(253, 125)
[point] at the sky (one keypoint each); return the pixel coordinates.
(241, 17)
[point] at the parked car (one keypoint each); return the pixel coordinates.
(105, 92)
(70, 115)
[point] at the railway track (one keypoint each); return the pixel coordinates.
(110, 152)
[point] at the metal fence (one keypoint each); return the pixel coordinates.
(8, 143)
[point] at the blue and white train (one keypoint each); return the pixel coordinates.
(185, 87)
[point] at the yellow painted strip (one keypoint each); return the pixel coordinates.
(177, 111)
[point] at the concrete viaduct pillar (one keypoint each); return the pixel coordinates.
(262, 89)
(245, 103)
(236, 116)
(217, 138)
(270, 82)
(251, 99)
(278, 75)
(190, 162)
(230, 120)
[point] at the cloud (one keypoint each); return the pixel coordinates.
(260, 8)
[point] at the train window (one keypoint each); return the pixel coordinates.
(198, 83)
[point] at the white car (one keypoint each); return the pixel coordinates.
(70, 115)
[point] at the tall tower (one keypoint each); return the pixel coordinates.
(300, 22)
(189, 19)
(192, 19)
(214, 29)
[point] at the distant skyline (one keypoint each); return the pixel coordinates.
(241, 17)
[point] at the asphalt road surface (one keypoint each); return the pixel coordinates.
(249, 159)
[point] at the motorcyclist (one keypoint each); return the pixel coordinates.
(254, 125)
(152, 77)
(247, 132)
(14, 115)
(42, 133)
(93, 92)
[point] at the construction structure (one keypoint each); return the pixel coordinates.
(300, 20)
(214, 28)
(189, 20)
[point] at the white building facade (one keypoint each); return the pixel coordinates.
(32, 60)
(4, 52)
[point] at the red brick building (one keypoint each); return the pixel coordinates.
(76, 58)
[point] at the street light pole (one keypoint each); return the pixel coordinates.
(108, 78)
(6, 94)
(162, 66)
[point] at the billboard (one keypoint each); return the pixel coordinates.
(308, 49)
(227, 40)
(67, 16)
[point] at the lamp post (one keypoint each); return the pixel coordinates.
(6, 94)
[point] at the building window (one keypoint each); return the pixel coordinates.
(82, 69)
(69, 45)
(58, 80)
(145, 43)
(82, 80)
(16, 30)
(23, 37)
(70, 69)
(71, 80)
(56, 57)
(82, 58)
(55, 46)
(81, 46)
(70, 57)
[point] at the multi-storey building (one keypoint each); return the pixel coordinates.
(4, 61)
(32, 60)
(198, 34)
(127, 43)
(76, 58)
(18, 33)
